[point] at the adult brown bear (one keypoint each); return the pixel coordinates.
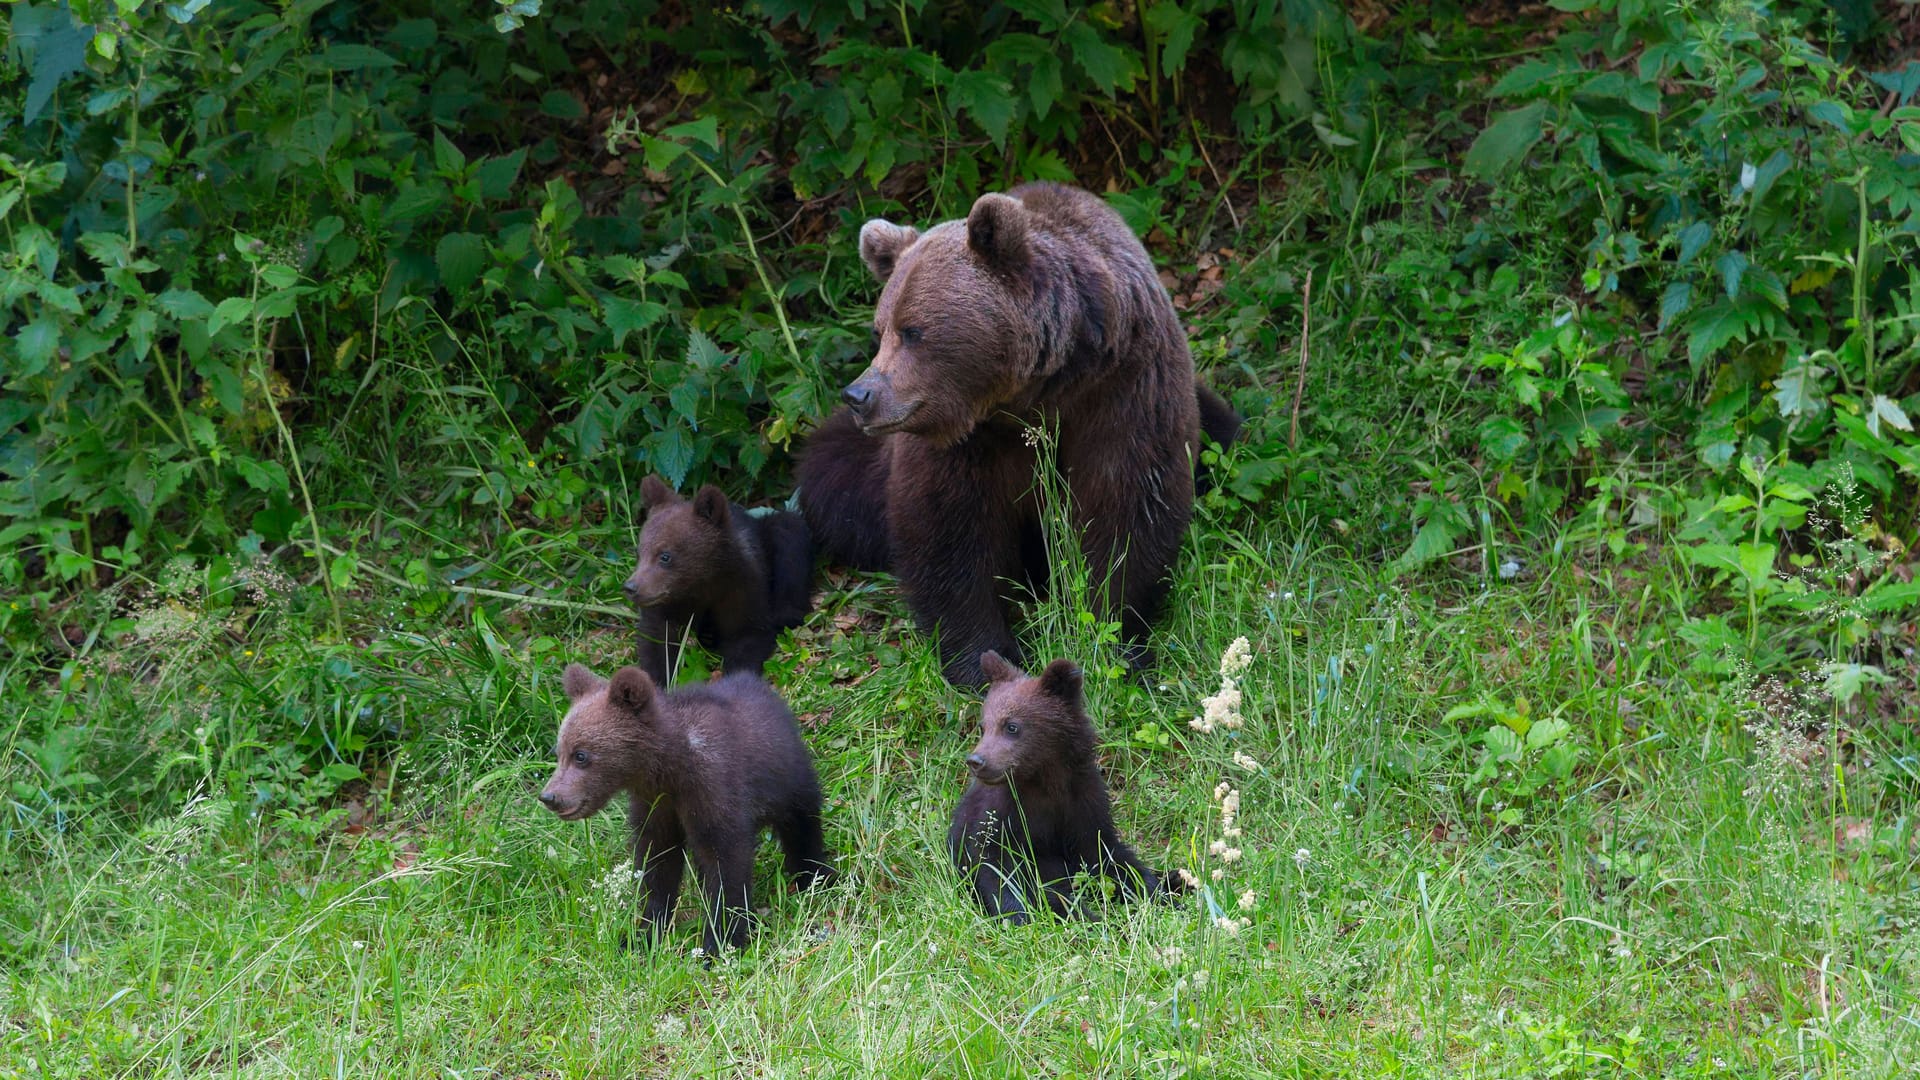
(1040, 308)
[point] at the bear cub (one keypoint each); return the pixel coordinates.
(736, 578)
(704, 769)
(1037, 811)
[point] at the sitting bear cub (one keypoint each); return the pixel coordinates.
(736, 578)
(704, 768)
(1037, 811)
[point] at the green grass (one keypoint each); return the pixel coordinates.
(1690, 905)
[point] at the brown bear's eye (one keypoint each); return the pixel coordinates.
(910, 335)
(579, 757)
(1011, 728)
(666, 558)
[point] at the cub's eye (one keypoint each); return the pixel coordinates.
(666, 558)
(1011, 728)
(911, 335)
(580, 757)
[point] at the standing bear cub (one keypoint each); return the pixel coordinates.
(736, 578)
(704, 769)
(1037, 811)
(1041, 308)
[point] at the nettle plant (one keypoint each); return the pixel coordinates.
(1523, 759)
(1758, 199)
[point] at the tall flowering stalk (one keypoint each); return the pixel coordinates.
(1221, 712)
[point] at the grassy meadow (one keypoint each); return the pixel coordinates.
(1570, 537)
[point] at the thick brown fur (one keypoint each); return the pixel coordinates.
(735, 578)
(1037, 811)
(1040, 308)
(704, 769)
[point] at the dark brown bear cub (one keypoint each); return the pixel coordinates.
(736, 579)
(704, 768)
(1037, 811)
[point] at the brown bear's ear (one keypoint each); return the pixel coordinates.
(996, 669)
(656, 492)
(711, 503)
(881, 243)
(997, 230)
(631, 689)
(1062, 680)
(578, 682)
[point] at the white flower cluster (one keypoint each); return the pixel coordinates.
(1224, 849)
(1222, 710)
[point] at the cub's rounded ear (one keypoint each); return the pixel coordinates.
(631, 689)
(997, 231)
(996, 669)
(1063, 680)
(881, 243)
(656, 492)
(578, 682)
(711, 503)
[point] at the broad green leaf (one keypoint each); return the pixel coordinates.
(38, 342)
(988, 99)
(1177, 28)
(670, 452)
(1434, 540)
(1888, 411)
(1110, 67)
(1693, 238)
(1533, 75)
(1843, 682)
(268, 476)
(462, 258)
(626, 316)
(1798, 390)
(1505, 141)
(447, 157)
(1675, 301)
(1756, 561)
(1547, 732)
(355, 58)
(52, 46)
(702, 353)
(1732, 265)
(705, 130)
(231, 311)
(1502, 744)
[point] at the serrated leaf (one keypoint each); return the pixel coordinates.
(497, 174)
(685, 397)
(462, 258)
(1531, 76)
(1693, 238)
(1832, 113)
(1910, 135)
(670, 452)
(1888, 411)
(232, 310)
(1756, 561)
(46, 37)
(1843, 682)
(1769, 172)
(355, 58)
(1177, 28)
(988, 99)
(1731, 266)
(1798, 390)
(626, 316)
(1675, 301)
(1110, 67)
(1903, 84)
(267, 476)
(447, 157)
(705, 130)
(1433, 541)
(1891, 596)
(1502, 438)
(38, 343)
(702, 353)
(1505, 141)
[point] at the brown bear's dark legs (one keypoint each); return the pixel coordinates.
(789, 570)
(660, 859)
(660, 641)
(808, 861)
(747, 653)
(1132, 877)
(996, 888)
(843, 475)
(724, 863)
(957, 533)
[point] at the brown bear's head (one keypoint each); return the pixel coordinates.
(609, 737)
(954, 341)
(683, 546)
(1030, 727)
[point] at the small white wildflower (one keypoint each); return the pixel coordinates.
(1218, 874)
(1302, 857)
(669, 1028)
(552, 853)
(1199, 979)
(1186, 877)
(1173, 954)
(1220, 790)
(1231, 834)
(1228, 924)
(698, 952)
(1230, 855)
(1248, 899)
(1218, 847)
(1223, 708)
(1236, 658)
(1245, 761)
(933, 948)
(359, 944)
(1084, 999)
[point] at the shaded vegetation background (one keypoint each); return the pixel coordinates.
(335, 337)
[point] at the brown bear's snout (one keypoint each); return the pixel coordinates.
(875, 405)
